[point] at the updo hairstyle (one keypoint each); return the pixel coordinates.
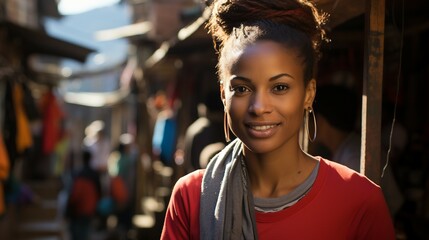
(296, 24)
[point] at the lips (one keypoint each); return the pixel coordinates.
(261, 130)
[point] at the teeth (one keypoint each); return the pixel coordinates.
(262, 128)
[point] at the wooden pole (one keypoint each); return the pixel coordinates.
(372, 90)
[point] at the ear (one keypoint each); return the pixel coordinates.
(310, 93)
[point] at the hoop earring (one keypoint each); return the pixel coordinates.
(226, 127)
(307, 113)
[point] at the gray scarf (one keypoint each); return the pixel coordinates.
(227, 210)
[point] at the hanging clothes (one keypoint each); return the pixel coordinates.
(4, 161)
(59, 159)
(24, 139)
(4, 174)
(52, 120)
(4, 157)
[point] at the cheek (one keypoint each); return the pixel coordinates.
(292, 110)
(293, 102)
(294, 115)
(236, 107)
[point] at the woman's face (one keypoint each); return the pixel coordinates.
(265, 96)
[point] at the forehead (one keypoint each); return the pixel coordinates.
(265, 57)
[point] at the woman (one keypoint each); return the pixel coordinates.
(263, 185)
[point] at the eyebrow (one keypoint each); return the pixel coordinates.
(271, 78)
(280, 76)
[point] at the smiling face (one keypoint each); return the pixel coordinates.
(265, 96)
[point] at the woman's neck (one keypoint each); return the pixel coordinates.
(277, 173)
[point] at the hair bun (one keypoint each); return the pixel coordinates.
(299, 14)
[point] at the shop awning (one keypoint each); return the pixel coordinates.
(37, 41)
(129, 31)
(106, 99)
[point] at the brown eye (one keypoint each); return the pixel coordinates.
(280, 88)
(240, 89)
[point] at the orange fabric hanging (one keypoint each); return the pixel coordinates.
(24, 138)
(4, 161)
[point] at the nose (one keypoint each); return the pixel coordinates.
(260, 103)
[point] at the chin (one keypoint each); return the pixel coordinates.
(259, 147)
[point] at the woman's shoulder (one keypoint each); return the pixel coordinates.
(354, 194)
(348, 186)
(342, 175)
(191, 180)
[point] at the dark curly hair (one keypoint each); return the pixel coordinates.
(235, 24)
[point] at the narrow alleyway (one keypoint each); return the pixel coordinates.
(43, 218)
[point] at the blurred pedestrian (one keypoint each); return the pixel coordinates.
(122, 181)
(206, 130)
(165, 130)
(83, 199)
(98, 144)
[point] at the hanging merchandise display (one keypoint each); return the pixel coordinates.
(4, 161)
(4, 173)
(23, 135)
(52, 120)
(4, 158)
